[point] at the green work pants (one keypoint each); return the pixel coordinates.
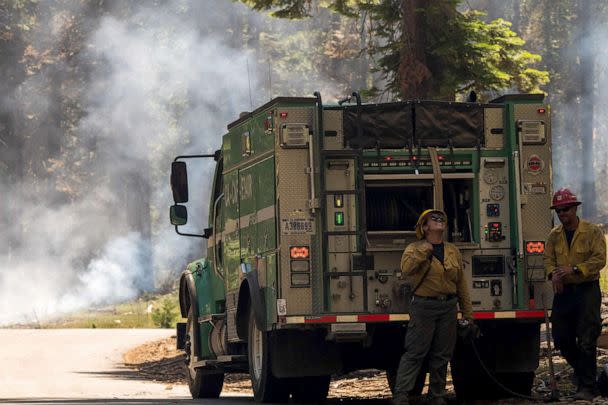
(431, 331)
(577, 324)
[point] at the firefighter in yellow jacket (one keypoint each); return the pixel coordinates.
(434, 271)
(574, 255)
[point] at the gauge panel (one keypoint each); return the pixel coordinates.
(497, 193)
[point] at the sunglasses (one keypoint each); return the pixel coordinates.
(437, 218)
(560, 210)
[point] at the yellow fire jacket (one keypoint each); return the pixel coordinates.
(442, 279)
(587, 252)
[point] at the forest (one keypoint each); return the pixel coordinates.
(97, 96)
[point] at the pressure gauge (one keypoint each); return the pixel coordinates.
(497, 193)
(490, 176)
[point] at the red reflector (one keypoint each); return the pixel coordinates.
(440, 157)
(542, 110)
(535, 248)
(388, 158)
(283, 115)
(414, 157)
(299, 252)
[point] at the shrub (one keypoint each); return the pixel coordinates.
(166, 315)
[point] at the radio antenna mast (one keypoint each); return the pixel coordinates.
(249, 82)
(269, 80)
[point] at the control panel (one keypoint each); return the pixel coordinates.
(494, 197)
(493, 232)
(493, 210)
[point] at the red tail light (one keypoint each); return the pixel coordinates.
(535, 247)
(299, 252)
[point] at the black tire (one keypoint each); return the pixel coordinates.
(310, 390)
(266, 387)
(201, 383)
(391, 378)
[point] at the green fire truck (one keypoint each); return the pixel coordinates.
(310, 210)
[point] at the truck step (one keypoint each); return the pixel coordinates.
(221, 360)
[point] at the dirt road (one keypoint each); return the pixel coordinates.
(85, 366)
(74, 366)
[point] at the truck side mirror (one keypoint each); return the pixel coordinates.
(207, 233)
(179, 182)
(178, 215)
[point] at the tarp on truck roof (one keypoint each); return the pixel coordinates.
(425, 123)
(388, 126)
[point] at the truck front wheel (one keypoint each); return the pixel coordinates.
(201, 383)
(266, 387)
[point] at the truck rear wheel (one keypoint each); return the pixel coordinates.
(310, 389)
(266, 387)
(202, 384)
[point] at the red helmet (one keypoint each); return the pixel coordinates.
(564, 197)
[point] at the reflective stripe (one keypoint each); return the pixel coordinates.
(369, 318)
(504, 315)
(261, 215)
(231, 226)
(347, 318)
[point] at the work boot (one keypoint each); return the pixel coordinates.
(584, 394)
(400, 400)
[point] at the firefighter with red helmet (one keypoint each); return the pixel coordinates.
(574, 255)
(434, 271)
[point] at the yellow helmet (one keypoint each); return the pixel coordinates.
(422, 218)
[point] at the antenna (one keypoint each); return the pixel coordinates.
(249, 81)
(269, 80)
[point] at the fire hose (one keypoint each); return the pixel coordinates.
(554, 396)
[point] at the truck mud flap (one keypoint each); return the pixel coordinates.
(180, 331)
(298, 354)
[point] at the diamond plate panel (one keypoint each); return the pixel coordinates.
(493, 119)
(293, 194)
(536, 184)
(231, 314)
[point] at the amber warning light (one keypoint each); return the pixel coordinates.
(535, 247)
(299, 252)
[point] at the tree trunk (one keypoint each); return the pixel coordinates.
(414, 75)
(419, 73)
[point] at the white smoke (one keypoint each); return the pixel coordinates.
(165, 81)
(161, 89)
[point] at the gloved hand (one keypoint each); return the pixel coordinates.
(401, 289)
(467, 329)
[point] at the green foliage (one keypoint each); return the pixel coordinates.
(292, 9)
(462, 52)
(493, 57)
(166, 315)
